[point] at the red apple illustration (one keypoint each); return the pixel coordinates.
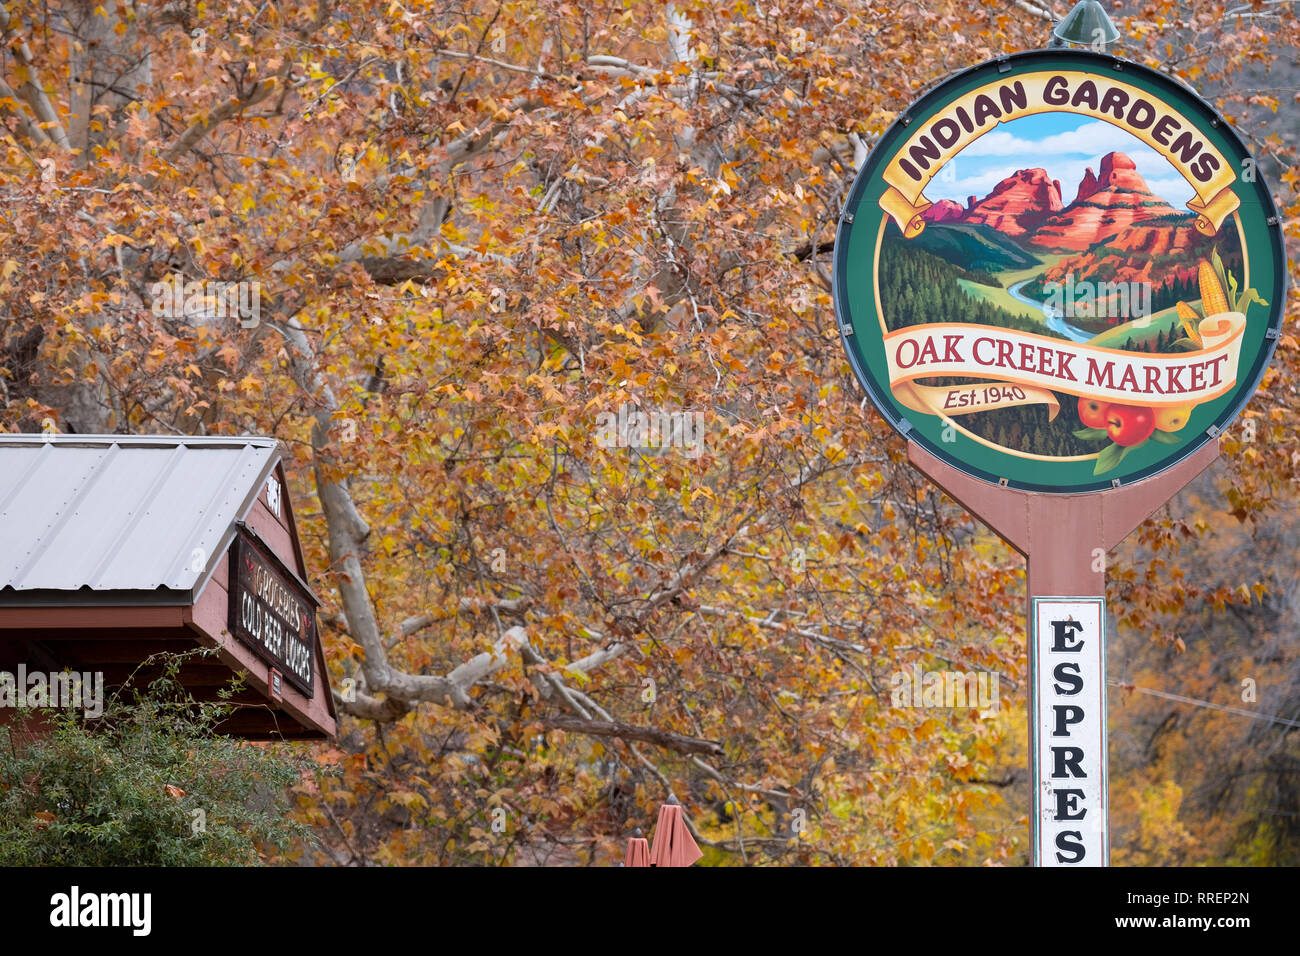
(1093, 412)
(1129, 424)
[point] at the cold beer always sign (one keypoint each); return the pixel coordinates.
(272, 611)
(1060, 272)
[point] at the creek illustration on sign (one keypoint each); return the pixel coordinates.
(1060, 271)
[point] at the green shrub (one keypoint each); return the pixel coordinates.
(149, 783)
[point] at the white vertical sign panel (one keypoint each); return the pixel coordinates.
(1068, 701)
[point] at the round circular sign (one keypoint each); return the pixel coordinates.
(1059, 271)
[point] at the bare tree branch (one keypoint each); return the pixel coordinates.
(649, 735)
(26, 125)
(215, 117)
(466, 606)
(1036, 10)
(29, 87)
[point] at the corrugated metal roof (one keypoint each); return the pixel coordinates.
(122, 513)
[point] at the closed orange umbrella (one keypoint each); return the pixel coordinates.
(638, 852)
(673, 843)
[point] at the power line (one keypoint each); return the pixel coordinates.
(1195, 702)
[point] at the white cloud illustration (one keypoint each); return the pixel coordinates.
(976, 176)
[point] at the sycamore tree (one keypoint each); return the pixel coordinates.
(436, 249)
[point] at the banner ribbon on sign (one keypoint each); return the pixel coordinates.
(1022, 368)
(1112, 101)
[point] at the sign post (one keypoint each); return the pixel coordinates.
(1060, 277)
(1064, 540)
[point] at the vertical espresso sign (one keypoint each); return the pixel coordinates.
(1069, 731)
(271, 613)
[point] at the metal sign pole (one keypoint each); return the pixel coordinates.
(1064, 539)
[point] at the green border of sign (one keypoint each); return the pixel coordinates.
(856, 307)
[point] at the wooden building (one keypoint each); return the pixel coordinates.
(115, 547)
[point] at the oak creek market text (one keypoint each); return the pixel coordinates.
(1039, 360)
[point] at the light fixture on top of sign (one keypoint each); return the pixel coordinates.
(1086, 24)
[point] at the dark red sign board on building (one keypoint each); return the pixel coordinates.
(271, 611)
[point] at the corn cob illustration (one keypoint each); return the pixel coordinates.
(1190, 322)
(1213, 299)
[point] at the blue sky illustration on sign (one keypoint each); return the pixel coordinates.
(1063, 144)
